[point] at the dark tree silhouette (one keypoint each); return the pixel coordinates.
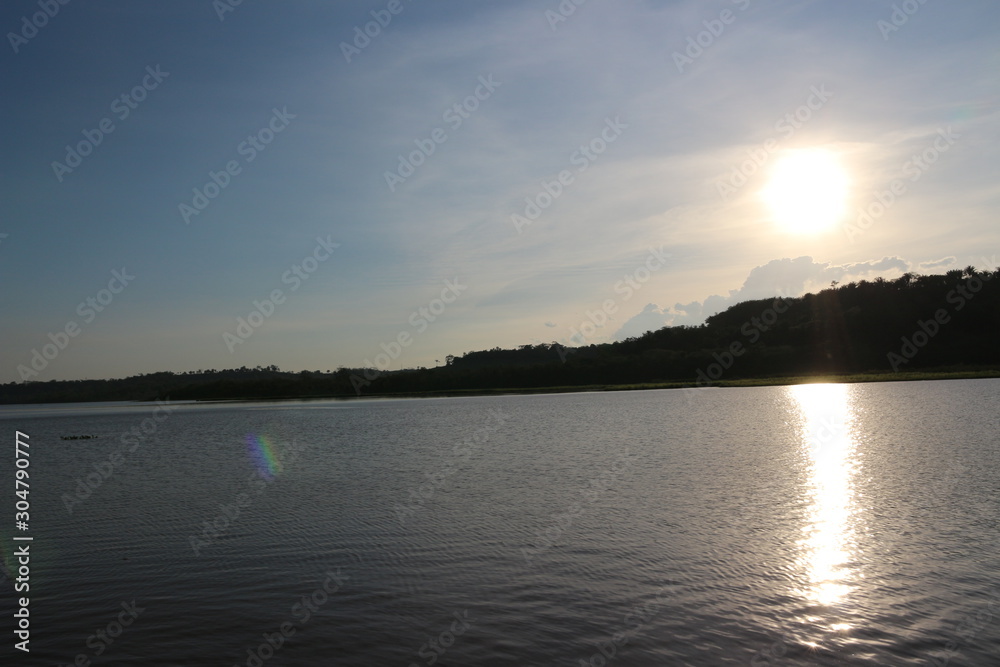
(845, 329)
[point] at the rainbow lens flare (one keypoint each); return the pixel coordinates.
(264, 456)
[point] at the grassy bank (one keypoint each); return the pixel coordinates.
(915, 376)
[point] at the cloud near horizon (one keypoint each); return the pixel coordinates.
(951, 260)
(779, 277)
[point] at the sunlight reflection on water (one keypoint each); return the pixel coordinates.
(828, 438)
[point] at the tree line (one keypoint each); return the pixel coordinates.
(915, 322)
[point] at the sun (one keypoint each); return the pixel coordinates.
(807, 192)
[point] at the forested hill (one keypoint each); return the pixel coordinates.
(913, 322)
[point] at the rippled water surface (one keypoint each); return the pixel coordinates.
(818, 524)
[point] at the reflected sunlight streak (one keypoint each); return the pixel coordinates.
(827, 436)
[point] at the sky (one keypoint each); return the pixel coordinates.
(195, 184)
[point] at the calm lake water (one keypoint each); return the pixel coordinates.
(810, 525)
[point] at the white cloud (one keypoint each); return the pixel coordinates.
(779, 277)
(938, 263)
(651, 318)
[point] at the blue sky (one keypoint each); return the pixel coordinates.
(670, 135)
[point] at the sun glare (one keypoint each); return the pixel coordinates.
(827, 420)
(807, 191)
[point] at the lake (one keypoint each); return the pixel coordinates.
(846, 524)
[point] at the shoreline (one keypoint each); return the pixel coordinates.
(845, 378)
(837, 378)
